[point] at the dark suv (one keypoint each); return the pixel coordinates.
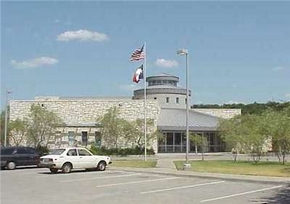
(18, 156)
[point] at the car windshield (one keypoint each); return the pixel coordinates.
(57, 151)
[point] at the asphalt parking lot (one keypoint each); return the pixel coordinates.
(38, 185)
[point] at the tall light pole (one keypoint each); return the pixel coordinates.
(6, 118)
(185, 52)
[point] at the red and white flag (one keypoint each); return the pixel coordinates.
(138, 74)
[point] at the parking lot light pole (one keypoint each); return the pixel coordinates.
(185, 52)
(6, 119)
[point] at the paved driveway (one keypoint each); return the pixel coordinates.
(37, 185)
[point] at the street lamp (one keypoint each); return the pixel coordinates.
(185, 52)
(6, 118)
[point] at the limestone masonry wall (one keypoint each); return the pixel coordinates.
(85, 111)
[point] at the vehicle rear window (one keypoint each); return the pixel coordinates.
(7, 151)
(57, 151)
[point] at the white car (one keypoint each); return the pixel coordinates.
(67, 159)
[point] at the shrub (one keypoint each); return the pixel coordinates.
(42, 149)
(120, 151)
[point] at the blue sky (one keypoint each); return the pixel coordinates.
(238, 51)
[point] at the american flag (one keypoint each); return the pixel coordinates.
(138, 54)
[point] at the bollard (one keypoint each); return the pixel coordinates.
(186, 166)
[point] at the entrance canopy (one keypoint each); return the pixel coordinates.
(175, 119)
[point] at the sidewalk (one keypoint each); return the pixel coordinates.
(166, 166)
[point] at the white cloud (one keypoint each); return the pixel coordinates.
(166, 63)
(287, 95)
(33, 63)
(82, 35)
(278, 68)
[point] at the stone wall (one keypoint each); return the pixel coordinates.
(82, 111)
(87, 110)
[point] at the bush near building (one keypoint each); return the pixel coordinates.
(120, 151)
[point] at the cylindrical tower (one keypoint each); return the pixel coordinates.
(164, 88)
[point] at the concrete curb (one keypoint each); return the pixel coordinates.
(228, 177)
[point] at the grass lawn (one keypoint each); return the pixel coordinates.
(135, 163)
(239, 167)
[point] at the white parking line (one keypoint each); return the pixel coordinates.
(182, 187)
(239, 194)
(133, 182)
(45, 174)
(20, 173)
(31, 173)
(103, 177)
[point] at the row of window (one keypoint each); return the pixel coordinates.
(162, 82)
(176, 100)
(84, 138)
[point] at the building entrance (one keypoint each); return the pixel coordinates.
(175, 142)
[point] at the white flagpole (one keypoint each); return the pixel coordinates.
(145, 97)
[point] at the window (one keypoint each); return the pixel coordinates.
(185, 101)
(83, 152)
(169, 139)
(72, 152)
(7, 150)
(98, 139)
(25, 150)
(57, 151)
(177, 138)
(71, 138)
(85, 138)
(177, 100)
(22, 151)
(167, 99)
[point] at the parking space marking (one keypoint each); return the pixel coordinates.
(103, 177)
(182, 187)
(43, 174)
(239, 194)
(133, 182)
(26, 173)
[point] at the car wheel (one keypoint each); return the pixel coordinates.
(53, 170)
(66, 168)
(11, 165)
(102, 166)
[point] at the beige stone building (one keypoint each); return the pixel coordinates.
(166, 106)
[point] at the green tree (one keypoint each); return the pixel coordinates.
(229, 131)
(255, 137)
(117, 132)
(137, 134)
(277, 125)
(42, 125)
(112, 127)
(18, 131)
(245, 133)
(2, 128)
(253, 108)
(199, 142)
